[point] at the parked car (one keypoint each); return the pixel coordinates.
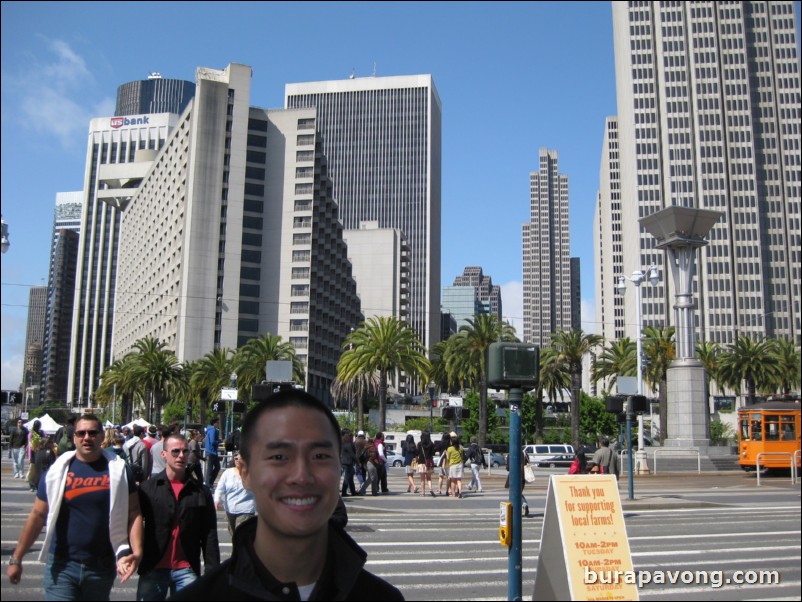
(556, 461)
(493, 460)
(540, 452)
(395, 459)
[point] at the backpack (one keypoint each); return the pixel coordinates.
(477, 457)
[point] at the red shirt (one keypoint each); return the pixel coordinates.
(174, 557)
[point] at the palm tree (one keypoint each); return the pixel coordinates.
(619, 359)
(158, 372)
(707, 352)
(357, 388)
(553, 381)
(749, 362)
(117, 381)
(249, 361)
(788, 360)
(384, 345)
(658, 353)
(571, 346)
(466, 357)
(209, 375)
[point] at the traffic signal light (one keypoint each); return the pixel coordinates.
(639, 404)
(219, 407)
(448, 413)
(614, 404)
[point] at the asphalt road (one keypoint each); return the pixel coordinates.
(447, 549)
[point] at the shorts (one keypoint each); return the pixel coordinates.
(409, 470)
(422, 469)
(455, 472)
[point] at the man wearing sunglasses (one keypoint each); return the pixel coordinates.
(89, 502)
(180, 522)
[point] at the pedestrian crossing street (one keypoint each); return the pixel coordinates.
(447, 549)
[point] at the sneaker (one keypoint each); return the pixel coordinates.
(480, 490)
(469, 488)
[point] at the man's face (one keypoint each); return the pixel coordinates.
(175, 454)
(88, 437)
(293, 472)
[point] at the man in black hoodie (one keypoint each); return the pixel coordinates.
(290, 449)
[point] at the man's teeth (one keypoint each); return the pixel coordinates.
(302, 501)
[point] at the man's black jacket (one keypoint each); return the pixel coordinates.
(243, 577)
(197, 522)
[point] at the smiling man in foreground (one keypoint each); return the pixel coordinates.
(290, 449)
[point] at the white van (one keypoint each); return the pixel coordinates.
(392, 441)
(537, 453)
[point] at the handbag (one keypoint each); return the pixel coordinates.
(529, 474)
(414, 462)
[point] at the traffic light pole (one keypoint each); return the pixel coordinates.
(629, 449)
(514, 559)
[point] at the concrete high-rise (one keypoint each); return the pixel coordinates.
(487, 293)
(34, 341)
(234, 234)
(608, 246)
(709, 117)
(546, 254)
(154, 95)
(382, 139)
(120, 151)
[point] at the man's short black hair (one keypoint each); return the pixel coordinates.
(91, 418)
(284, 399)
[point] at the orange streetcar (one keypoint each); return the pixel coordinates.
(773, 426)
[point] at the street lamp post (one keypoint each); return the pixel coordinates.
(5, 243)
(637, 279)
(431, 408)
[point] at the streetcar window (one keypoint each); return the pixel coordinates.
(772, 427)
(788, 430)
(757, 433)
(744, 429)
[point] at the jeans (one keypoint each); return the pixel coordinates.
(212, 469)
(72, 580)
(475, 481)
(348, 479)
(372, 479)
(155, 584)
(18, 456)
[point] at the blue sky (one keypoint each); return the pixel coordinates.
(512, 77)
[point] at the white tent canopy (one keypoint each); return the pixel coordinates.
(49, 426)
(140, 421)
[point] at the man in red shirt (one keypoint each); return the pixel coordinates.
(180, 522)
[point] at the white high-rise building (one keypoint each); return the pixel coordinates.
(382, 140)
(709, 117)
(547, 254)
(233, 234)
(120, 152)
(608, 247)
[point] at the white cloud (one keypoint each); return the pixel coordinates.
(512, 305)
(52, 92)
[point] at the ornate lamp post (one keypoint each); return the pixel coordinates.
(637, 278)
(680, 231)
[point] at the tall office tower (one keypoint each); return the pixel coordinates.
(576, 294)
(382, 139)
(60, 293)
(486, 292)
(118, 156)
(234, 234)
(462, 304)
(608, 247)
(546, 254)
(154, 95)
(60, 304)
(120, 151)
(34, 339)
(709, 117)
